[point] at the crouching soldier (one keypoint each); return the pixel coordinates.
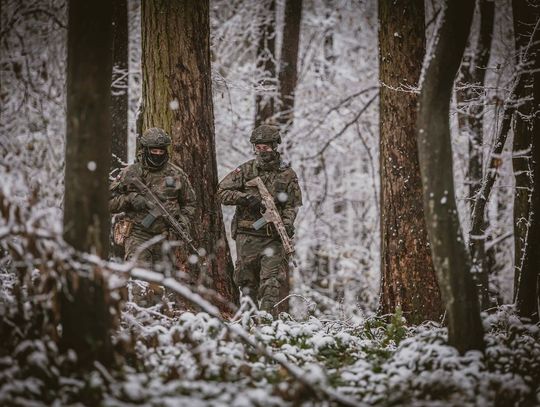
(261, 267)
(167, 182)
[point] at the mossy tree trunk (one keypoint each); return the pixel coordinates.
(85, 316)
(450, 256)
(177, 96)
(408, 276)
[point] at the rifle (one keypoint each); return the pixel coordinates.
(271, 215)
(160, 210)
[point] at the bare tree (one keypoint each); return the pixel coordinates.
(266, 62)
(471, 100)
(450, 256)
(177, 96)
(408, 276)
(524, 22)
(85, 316)
(119, 86)
(288, 71)
(527, 173)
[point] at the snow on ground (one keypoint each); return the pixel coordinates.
(189, 359)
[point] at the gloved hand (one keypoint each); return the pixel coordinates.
(290, 230)
(138, 202)
(252, 201)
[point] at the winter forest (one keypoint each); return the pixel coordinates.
(390, 254)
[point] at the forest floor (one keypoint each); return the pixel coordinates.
(191, 359)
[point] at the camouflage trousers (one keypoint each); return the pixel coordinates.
(152, 257)
(260, 269)
(147, 256)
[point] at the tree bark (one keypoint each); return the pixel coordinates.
(472, 97)
(527, 129)
(288, 71)
(266, 63)
(524, 21)
(85, 316)
(177, 96)
(408, 278)
(450, 256)
(119, 86)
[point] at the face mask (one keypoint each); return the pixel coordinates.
(156, 160)
(267, 156)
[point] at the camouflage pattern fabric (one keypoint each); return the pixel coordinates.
(259, 272)
(172, 187)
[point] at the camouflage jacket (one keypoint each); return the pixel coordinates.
(170, 184)
(281, 181)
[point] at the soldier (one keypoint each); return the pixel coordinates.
(167, 181)
(261, 261)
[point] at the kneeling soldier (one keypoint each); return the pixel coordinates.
(261, 259)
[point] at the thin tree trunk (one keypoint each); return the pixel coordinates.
(527, 28)
(288, 72)
(177, 96)
(288, 76)
(472, 123)
(85, 316)
(450, 256)
(119, 86)
(524, 22)
(266, 63)
(408, 277)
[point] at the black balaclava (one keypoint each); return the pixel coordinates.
(155, 160)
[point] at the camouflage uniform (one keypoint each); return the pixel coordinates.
(261, 266)
(171, 185)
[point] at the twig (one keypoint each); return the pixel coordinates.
(344, 129)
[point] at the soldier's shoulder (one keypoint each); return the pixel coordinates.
(133, 169)
(173, 169)
(248, 165)
(244, 168)
(287, 170)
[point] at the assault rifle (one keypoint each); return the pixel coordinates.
(271, 215)
(160, 210)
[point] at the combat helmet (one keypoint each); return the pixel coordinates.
(155, 138)
(265, 134)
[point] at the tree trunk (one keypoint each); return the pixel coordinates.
(119, 86)
(177, 96)
(288, 72)
(408, 277)
(527, 29)
(266, 63)
(85, 316)
(524, 21)
(472, 123)
(450, 256)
